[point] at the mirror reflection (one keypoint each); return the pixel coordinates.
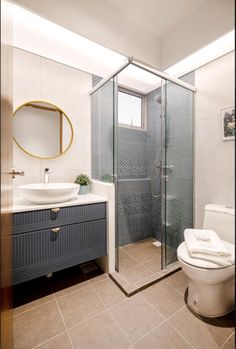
(42, 130)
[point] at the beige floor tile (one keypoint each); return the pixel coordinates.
(136, 317)
(126, 261)
(163, 337)
(133, 275)
(155, 249)
(142, 254)
(129, 247)
(154, 265)
(199, 333)
(121, 281)
(230, 343)
(100, 332)
(59, 342)
(164, 298)
(130, 288)
(148, 279)
(146, 242)
(37, 325)
(31, 294)
(179, 281)
(109, 293)
(79, 306)
(67, 290)
(98, 278)
(31, 305)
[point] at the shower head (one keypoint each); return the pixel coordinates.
(157, 99)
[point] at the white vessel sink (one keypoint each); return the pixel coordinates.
(48, 193)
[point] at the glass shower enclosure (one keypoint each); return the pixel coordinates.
(150, 162)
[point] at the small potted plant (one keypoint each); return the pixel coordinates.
(83, 180)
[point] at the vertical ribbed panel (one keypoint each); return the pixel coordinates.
(40, 246)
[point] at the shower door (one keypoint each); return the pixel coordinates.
(177, 171)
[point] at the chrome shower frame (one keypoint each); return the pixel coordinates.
(146, 67)
(166, 77)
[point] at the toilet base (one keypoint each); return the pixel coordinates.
(213, 300)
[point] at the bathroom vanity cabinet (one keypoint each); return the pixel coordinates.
(48, 240)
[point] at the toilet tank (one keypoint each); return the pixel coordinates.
(221, 220)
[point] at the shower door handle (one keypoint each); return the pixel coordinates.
(169, 167)
(166, 178)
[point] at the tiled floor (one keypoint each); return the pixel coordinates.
(72, 311)
(139, 265)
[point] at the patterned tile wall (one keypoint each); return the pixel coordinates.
(134, 201)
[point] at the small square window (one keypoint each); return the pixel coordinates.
(130, 109)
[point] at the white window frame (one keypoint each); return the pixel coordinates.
(143, 97)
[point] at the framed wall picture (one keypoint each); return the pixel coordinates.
(228, 123)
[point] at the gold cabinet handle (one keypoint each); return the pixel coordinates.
(55, 210)
(56, 230)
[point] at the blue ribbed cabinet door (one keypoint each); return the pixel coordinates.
(40, 252)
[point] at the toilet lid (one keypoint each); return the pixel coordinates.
(182, 253)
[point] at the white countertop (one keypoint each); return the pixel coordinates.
(21, 205)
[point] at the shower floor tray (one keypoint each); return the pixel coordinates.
(140, 266)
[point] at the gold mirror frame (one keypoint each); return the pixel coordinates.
(55, 106)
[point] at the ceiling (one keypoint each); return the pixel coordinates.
(160, 33)
(155, 16)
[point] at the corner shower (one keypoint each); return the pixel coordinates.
(146, 151)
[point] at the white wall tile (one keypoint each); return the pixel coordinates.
(212, 153)
(212, 188)
(22, 160)
(214, 158)
(26, 77)
(216, 188)
(215, 86)
(67, 87)
(63, 175)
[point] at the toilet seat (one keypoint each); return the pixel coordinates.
(182, 253)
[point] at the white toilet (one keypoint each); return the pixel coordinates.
(210, 286)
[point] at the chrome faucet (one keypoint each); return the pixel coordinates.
(46, 175)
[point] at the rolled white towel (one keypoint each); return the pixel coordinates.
(212, 249)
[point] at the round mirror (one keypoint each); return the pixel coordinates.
(42, 130)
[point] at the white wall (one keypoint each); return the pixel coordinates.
(214, 158)
(36, 78)
(214, 18)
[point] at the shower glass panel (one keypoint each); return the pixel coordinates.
(102, 129)
(138, 196)
(142, 141)
(178, 166)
